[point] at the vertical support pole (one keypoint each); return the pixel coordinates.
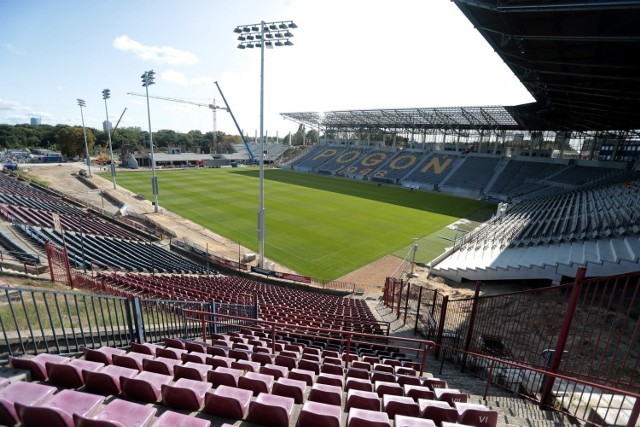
(215, 321)
(635, 414)
(399, 299)
(137, 319)
(563, 335)
(443, 316)
(393, 294)
(472, 321)
(406, 304)
(130, 325)
(415, 327)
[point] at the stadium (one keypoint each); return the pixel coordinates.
(161, 314)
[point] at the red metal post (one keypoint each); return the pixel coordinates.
(415, 327)
(204, 328)
(472, 320)
(399, 299)
(406, 304)
(393, 294)
(443, 317)
(562, 336)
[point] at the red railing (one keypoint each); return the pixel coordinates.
(331, 335)
(598, 401)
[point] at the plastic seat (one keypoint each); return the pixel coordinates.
(271, 410)
(330, 379)
(256, 382)
(364, 418)
(36, 365)
(175, 343)
(106, 381)
(290, 388)
(216, 361)
(404, 421)
(239, 354)
(224, 376)
(288, 362)
(145, 387)
(386, 387)
(160, 365)
(450, 395)
(381, 367)
(382, 376)
(175, 419)
(228, 402)
(476, 415)
(102, 355)
(185, 394)
(246, 365)
(117, 413)
(358, 384)
(418, 392)
(315, 414)
(402, 405)
(437, 410)
(302, 375)
(170, 353)
(70, 374)
(434, 383)
(192, 371)
(57, 411)
(194, 357)
(408, 379)
(274, 370)
(131, 360)
(330, 368)
(197, 347)
(218, 350)
(363, 400)
(22, 392)
(145, 348)
(327, 394)
(263, 358)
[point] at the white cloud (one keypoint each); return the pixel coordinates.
(157, 54)
(182, 79)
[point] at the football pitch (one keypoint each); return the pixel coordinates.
(319, 226)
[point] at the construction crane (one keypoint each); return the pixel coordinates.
(212, 106)
(252, 158)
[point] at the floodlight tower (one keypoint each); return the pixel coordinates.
(82, 104)
(147, 80)
(269, 35)
(106, 94)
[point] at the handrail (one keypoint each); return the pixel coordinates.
(633, 416)
(423, 345)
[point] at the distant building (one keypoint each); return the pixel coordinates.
(106, 126)
(36, 121)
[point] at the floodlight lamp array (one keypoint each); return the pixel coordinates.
(251, 36)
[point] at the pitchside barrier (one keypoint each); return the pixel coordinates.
(586, 330)
(40, 321)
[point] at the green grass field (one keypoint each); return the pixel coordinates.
(319, 226)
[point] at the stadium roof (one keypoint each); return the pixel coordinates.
(488, 117)
(580, 60)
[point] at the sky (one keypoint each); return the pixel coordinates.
(347, 54)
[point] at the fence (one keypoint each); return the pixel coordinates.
(41, 321)
(588, 330)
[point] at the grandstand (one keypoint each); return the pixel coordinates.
(182, 347)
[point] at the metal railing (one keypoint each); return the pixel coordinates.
(596, 404)
(43, 321)
(586, 331)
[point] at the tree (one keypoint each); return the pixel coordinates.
(70, 141)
